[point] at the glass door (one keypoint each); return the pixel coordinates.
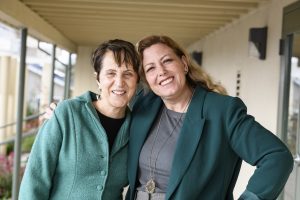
(288, 125)
(292, 188)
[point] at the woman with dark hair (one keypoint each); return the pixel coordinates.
(81, 152)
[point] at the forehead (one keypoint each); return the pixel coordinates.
(108, 57)
(109, 61)
(157, 50)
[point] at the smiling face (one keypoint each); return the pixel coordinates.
(117, 83)
(165, 71)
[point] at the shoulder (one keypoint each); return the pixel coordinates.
(218, 103)
(213, 97)
(144, 98)
(68, 105)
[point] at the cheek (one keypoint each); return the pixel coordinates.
(104, 82)
(149, 77)
(132, 84)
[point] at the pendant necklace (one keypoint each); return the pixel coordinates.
(150, 185)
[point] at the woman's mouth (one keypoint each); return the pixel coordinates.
(166, 81)
(119, 92)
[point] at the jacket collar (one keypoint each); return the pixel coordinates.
(87, 97)
(188, 140)
(123, 134)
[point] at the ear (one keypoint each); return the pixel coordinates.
(96, 77)
(184, 61)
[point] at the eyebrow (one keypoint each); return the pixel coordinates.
(159, 59)
(129, 70)
(114, 70)
(148, 64)
(164, 56)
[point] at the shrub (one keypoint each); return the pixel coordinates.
(6, 171)
(27, 143)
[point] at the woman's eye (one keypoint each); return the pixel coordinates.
(167, 60)
(128, 74)
(149, 69)
(110, 74)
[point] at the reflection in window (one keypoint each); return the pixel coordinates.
(294, 105)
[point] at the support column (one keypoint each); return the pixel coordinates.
(52, 74)
(18, 138)
(68, 78)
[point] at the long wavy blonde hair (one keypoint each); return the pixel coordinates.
(196, 75)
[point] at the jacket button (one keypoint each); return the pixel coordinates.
(103, 173)
(100, 187)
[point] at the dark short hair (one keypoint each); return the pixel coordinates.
(124, 52)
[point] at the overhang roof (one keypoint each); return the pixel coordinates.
(89, 22)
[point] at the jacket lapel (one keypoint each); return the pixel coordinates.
(143, 118)
(188, 140)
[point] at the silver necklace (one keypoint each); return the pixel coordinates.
(150, 185)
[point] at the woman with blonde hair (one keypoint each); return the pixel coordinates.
(188, 139)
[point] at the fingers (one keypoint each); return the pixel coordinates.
(52, 105)
(49, 111)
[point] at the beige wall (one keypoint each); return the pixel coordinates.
(8, 90)
(225, 52)
(84, 74)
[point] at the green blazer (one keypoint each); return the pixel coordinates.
(70, 158)
(217, 134)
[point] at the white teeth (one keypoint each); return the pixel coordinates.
(119, 92)
(166, 81)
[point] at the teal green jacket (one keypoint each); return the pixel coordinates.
(70, 158)
(217, 134)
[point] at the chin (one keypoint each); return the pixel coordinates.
(120, 104)
(167, 94)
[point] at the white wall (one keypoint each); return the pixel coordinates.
(84, 73)
(226, 51)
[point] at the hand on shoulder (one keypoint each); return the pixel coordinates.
(49, 111)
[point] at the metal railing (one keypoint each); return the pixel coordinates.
(25, 134)
(30, 117)
(19, 132)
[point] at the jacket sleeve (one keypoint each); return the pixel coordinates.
(37, 180)
(261, 148)
(247, 195)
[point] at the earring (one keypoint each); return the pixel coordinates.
(186, 71)
(98, 96)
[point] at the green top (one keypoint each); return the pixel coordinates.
(70, 158)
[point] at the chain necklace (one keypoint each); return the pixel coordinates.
(150, 185)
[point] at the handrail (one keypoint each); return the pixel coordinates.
(26, 119)
(24, 135)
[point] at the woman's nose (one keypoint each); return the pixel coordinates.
(119, 80)
(161, 71)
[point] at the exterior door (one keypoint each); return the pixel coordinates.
(289, 100)
(292, 133)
